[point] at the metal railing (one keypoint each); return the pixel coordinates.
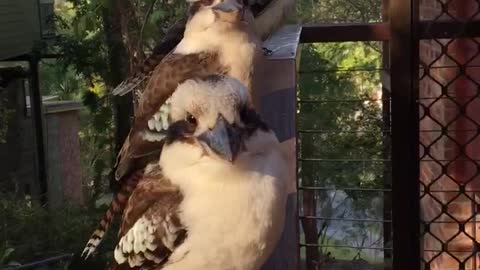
(430, 130)
(42, 263)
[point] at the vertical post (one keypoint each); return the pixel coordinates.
(37, 119)
(387, 145)
(275, 99)
(405, 138)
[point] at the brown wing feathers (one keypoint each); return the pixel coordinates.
(143, 72)
(269, 16)
(174, 70)
(152, 209)
(264, 11)
(137, 152)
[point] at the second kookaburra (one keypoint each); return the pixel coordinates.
(217, 40)
(268, 15)
(216, 198)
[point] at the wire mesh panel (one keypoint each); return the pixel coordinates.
(449, 98)
(427, 140)
(339, 11)
(344, 157)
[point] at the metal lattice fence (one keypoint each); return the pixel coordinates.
(344, 157)
(426, 158)
(449, 137)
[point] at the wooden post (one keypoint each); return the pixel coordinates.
(37, 118)
(275, 99)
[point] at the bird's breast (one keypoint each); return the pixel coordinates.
(232, 218)
(240, 61)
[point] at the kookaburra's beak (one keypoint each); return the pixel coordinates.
(223, 139)
(228, 6)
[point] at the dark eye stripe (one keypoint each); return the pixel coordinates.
(179, 131)
(206, 2)
(252, 120)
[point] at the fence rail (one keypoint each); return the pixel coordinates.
(314, 33)
(46, 262)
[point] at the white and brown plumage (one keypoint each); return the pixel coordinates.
(268, 15)
(217, 199)
(217, 40)
(150, 226)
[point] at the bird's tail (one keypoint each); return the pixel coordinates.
(144, 71)
(116, 208)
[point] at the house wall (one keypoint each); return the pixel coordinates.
(19, 27)
(449, 158)
(62, 146)
(65, 182)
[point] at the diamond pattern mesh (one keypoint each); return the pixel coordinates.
(449, 100)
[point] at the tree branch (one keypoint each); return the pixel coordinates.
(145, 19)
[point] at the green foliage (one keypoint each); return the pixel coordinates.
(5, 254)
(163, 15)
(335, 11)
(86, 56)
(83, 40)
(96, 144)
(5, 113)
(351, 127)
(342, 154)
(85, 71)
(342, 108)
(29, 232)
(61, 80)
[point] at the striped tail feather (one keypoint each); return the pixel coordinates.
(116, 208)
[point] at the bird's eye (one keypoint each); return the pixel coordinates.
(191, 119)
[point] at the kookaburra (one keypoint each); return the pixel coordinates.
(217, 40)
(268, 15)
(216, 198)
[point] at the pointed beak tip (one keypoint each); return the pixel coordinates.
(221, 141)
(230, 157)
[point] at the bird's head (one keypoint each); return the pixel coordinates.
(211, 118)
(216, 6)
(206, 13)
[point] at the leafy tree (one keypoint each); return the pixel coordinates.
(340, 133)
(30, 232)
(101, 42)
(339, 11)
(350, 129)
(5, 113)
(61, 81)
